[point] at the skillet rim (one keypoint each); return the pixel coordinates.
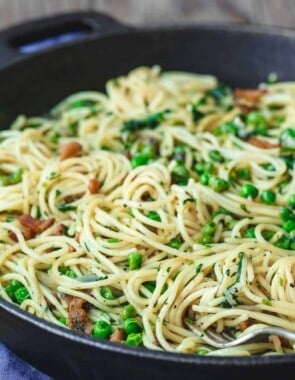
(87, 340)
(130, 30)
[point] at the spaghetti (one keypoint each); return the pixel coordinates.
(170, 197)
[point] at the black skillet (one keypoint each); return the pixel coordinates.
(34, 78)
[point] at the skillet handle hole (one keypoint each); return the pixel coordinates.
(51, 37)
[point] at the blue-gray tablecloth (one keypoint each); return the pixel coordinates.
(13, 368)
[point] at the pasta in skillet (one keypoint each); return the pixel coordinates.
(170, 198)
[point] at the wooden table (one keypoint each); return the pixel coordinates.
(146, 12)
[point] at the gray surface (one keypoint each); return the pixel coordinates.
(140, 12)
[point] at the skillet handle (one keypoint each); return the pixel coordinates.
(30, 38)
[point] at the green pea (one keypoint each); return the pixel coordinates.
(216, 156)
(175, 243)
(206, 239)
(153, 215)
(203, 167)
(135, 260)
(131, 325)
(149, 150)
(231, 223)
(21, 295)
(128, 311)
(139, 160)
(289, 225)
(205, 178)
(255, 118)
(11, 288)
(283, 242)
(67, 272)
(267, 234)
(106, 292)
(268, 197)
(180, 174)
(134, 340)
(226, 128)
(243, 173)
(71, 274)
(53, 137)
(209, 228)
(291, 201)
(258, 121)
(287, 214)
(248, 191)
(102, 330)
(250, 233)
(218, 184)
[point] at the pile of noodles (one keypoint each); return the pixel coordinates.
(233, 282)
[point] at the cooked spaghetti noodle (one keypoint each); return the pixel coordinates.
(169, 198)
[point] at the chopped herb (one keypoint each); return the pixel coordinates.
(114, 240)
(129, 212)
(189, 200)
(199, 268)
(244, 207)
(151, 121)
(153, 215)
(266, 301)
(9, 218)
(53, 175)
(64, 207)
(53, 137)
(216, 156)
(11, 179)
(62, 320)
(83, 103)
(230, 292)
(196, 114)
(220, 94)
(74, 128)
(287, 140)
(33, 125)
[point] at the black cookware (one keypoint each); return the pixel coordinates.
(80, 52)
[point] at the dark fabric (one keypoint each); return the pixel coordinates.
(13, 368)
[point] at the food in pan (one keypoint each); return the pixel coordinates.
(170, 198)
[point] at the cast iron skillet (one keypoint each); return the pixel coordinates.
(32, 83)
